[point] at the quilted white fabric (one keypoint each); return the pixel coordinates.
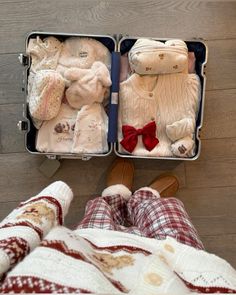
(154, 57)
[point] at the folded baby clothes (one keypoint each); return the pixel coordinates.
(56, 135)
(44, 53)
(91, 130)
(175, 97)
(46, 95)
(138, 108)
(180, 129)
(87, 85)
(81, 52)
(154, 57)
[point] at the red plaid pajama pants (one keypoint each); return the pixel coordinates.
(147, 215)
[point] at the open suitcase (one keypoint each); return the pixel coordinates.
(117, 45)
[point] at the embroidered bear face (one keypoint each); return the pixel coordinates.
(62, 128)
(36, 212)
(107, 262)
(182, 149)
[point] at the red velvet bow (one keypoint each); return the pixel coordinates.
(131, 134)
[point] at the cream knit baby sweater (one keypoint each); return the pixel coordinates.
(171, 100)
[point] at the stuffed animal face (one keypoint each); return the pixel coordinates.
(154, 57)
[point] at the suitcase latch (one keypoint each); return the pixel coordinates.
(22, 125)
(24, 59)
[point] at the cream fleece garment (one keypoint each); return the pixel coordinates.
(91, 130)
(87, 85)
(171, 101)
(82, 52)
(56, 135)
(46, 95)
(154, 57)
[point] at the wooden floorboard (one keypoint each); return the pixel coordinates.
(208, 184)
(212, 210)
(221, 66)
(11, 139)
(216, 166)
(183, 19)
(222, 245)
(219, 114)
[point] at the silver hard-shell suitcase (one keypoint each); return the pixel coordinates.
(117, 45)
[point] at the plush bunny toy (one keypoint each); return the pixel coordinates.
(87, 85)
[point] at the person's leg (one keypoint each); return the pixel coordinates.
(158, 217)
(109, 210)
(24, 228)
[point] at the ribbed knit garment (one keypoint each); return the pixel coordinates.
(165, 99)
(102, 261)
(24, 228)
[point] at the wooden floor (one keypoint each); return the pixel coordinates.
(207, 185)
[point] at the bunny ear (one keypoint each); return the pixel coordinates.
(72, 74)
(102, 73)
(105, 79)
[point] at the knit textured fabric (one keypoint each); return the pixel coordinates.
(100, 261)
(46, 95)
(109, 262)
(44, 53)
(24, 228)
(172, 101)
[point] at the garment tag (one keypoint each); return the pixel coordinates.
(49, 167)
(114, 98)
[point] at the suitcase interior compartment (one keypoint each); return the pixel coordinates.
(200, 50)
(30, 137)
